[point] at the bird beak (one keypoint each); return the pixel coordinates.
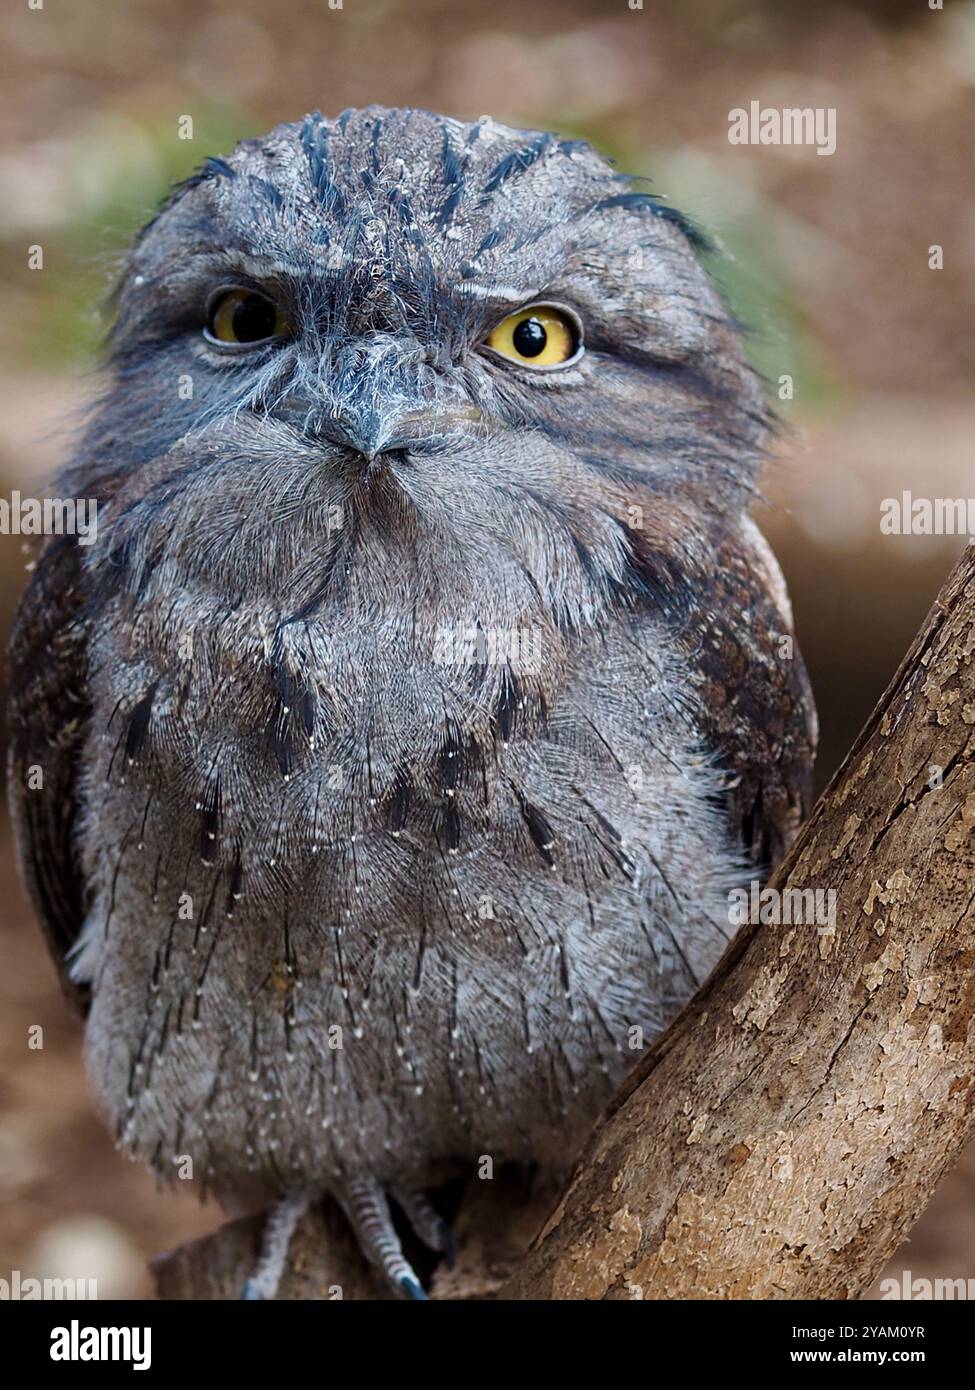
(371, 386)
(365, 433)
(376, 402)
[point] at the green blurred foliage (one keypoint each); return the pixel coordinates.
(119, 174)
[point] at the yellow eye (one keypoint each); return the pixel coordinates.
(243, 316)
(537, 337)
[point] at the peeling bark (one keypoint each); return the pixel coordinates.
(784, 1134)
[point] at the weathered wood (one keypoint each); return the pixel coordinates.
(783, 1135)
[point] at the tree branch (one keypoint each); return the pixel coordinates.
(780, 1139)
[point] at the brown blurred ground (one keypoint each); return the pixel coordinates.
(826, 259)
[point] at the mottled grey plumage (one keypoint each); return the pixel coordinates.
(244, 700)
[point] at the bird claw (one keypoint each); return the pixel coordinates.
(413, 1289)
(365, 1204)
(367, 1207)
(426, 1224)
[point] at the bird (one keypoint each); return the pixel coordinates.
(381, 771)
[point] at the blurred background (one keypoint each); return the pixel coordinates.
(826, 259)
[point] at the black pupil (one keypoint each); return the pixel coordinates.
(529, 337)
(253, 319)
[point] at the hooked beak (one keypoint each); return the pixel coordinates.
(371, 433)
(373, 397)
(375, 402)
(365, 434)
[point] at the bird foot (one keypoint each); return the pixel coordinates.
(366, 1204)
(278, 1230)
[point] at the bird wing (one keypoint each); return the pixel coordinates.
(48, 717)
(756, 698)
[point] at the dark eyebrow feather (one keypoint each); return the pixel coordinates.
(211, 168)
(454, 168)
(653, 205)
(518, 161)
(314, 142)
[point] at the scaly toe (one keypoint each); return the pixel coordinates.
(427, 1224)
(278, 1230)
(364, 1202)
